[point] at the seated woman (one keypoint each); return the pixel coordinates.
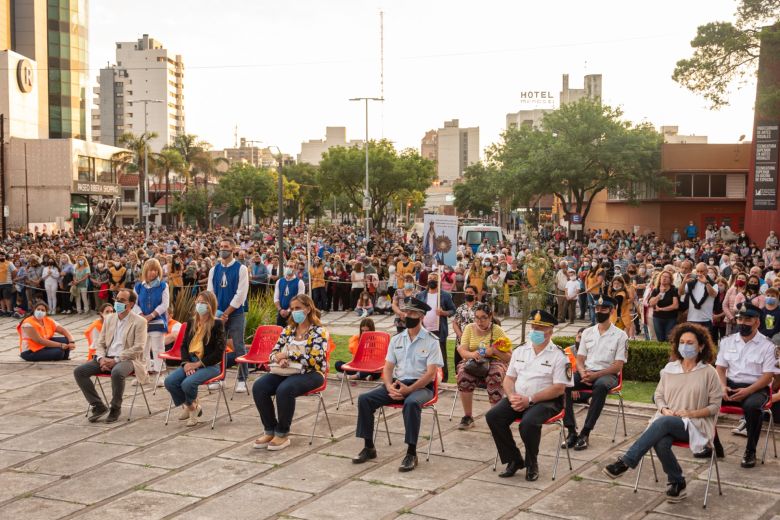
(688, 398)
(366, 325)
(37, 341)
(483, 340)
(298, 365)
(93, 331)
(201, 354)
(364, 307)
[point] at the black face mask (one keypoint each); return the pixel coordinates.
(432, 285)
(410, 322)
(752, 286)
(601, 317)
(470, 297)
(745, 329)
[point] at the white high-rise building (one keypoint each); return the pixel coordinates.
(456, 148)
(144, 70)
(311, 151)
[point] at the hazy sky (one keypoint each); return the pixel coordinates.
(284, 70)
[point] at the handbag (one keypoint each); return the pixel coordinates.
(291, 369)
(479, 367)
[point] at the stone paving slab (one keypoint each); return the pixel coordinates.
(34, 508)
(246, 502)
(140, 505)
(734, 503)
(349, 502)
(474, 499)
(209, 477)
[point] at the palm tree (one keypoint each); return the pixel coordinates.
(165, 161)
(192, 152)
(133, 160)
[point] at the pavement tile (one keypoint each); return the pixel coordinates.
(178, 452)
(614, 502)
(16, 483)
(209, 477)
(472, 499)
(298, 447)
(428, 476)
(34, 508)
(10, 458)
(311, 474)
(546, 464)
(76, 458)
(140, 505)
(741, 503)
(246, 502)
(48, 438)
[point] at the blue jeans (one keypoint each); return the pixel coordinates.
(660, 435)
(234, 329)
(184, 388)
(48, 353)
(286, 389)
(591, 309)
(663, 327)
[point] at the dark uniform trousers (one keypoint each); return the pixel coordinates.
(501, 417)
(598, 397)
(752, 408)
(370, 402)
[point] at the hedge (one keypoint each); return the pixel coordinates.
(645, 358)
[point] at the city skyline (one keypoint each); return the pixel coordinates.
(282, 72)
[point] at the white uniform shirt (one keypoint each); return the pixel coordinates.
(535, 372)
(601, 350)
(746, 362)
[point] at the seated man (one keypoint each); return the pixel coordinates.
(746, 364)
(413, 359)
(535, 382)
(600, 358)
(119, 351)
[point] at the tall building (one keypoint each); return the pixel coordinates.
(532, 117)
(428, 145)
(311, 151)
(456, 148)
(144, 70)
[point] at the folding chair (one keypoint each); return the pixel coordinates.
(321, 402)
(429, 405)
(370, 357)
(263, 343)
(100, 376)
(457, 393)
(621, 409)
(172, 355)
(220, 378)
(713, 462)
(765, 410)
(556, 419)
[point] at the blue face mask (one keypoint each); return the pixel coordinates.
(687, 351)
(536, 337)
(154, 283)
(40, 314)
(201, 308)
(298, 316)
(771, 300)
(408, 286)
(119, 307)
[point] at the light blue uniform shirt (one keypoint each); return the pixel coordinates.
(412, 358)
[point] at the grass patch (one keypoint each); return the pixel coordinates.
(576, 478)
(638, 391)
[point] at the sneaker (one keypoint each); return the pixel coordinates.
(262, 442)
(213, 386)
(278, 443)
(466, 423)
(676, 492)
(161, 382)
(615, 469)
(240, 387)
(741, 428)
(113, 415)
(98, 411)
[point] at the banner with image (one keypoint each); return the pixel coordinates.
(440, 239)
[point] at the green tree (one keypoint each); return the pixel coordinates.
(243, 180)
(342, 170)
(726, 52)
(479, 190)
(193, 204)
(133, 159)
(167, 161)
(307, 177)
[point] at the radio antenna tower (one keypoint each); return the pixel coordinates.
(382, 67)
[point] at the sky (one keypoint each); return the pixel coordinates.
(283, 70)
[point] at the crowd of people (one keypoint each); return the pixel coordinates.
(693, 292)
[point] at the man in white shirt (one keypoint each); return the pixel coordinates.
(700, 291)
(561, 277)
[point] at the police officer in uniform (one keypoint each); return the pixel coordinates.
(600, 358)
(535, 381)
(412, 362)
(746, 364)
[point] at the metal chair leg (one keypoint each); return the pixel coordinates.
(717, 475)
(216, 408)
(558, 452)
(652, 463)
(341, 388)
(638, 474)
(168, 414)
(157, 379)
(325, 410)
(430, 440)
(438, 426)
(769, 429)
(387, 428)
(621, 413)
(132, 404)
(102, 392)
(224, 398)
(709, 478)
(316, 418)
(143, 394)
(454, 402)
(235, 384)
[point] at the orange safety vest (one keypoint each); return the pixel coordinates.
(45, 331)
(97, 326)
(572, 358)
(171, 324)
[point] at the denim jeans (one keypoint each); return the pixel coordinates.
(591, 309)
(660, 435)
(286, 389)
(234, 330)
(184, 388)
(48, 353)
(663, 327)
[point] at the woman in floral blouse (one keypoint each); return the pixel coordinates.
(299, 363)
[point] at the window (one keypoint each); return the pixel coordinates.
(128, 195)
(718, 185)
(701, 185)
(684, 186)
(85, 169)
(641, 191)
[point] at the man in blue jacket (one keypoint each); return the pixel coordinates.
(435, 320)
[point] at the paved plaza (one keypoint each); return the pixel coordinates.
(54, 464)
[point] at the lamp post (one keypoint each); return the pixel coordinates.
(145, 193)
(247, 205)
(280, 212)
(366, 194)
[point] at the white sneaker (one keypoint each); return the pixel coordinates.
(741, 428)
(161, 382)
(241, 387)
(185, 413)
(213, 386)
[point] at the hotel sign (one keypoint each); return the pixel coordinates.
(94, 188)
(765, 176)
(537, 97)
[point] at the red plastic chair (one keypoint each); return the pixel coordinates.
(621, 409)
(318, 393)
(431, 405)
(556, 419)
(264, 341)
(369, 357)
(220, 378)
(100, 376)
(765, 410)
(171, 355)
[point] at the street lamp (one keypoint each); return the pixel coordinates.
(247, 204)
(280, 212)
(366, 194)
(145, 192)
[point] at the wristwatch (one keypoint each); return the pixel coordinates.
(530, 402)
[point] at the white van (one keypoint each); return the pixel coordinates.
(474, 235)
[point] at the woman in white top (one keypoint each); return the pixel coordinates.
(357, 277)
(51, 279)
(688, 398)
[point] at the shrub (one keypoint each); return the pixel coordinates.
(262, 311)
(645, 358)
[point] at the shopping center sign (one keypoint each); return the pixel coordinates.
(94, 188)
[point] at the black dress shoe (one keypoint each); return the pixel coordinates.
(98, 411)
(675, 492)
(364, 455)
(409, 463)
(113, 415)
(532, 471)
(512, 468)
(748, 460)
(719, 450)
(706, 453)
(582, 443)
(570, 441)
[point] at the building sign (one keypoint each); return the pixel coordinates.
(765, 177)
(95, 188)
(24, 75)
(537, 97)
